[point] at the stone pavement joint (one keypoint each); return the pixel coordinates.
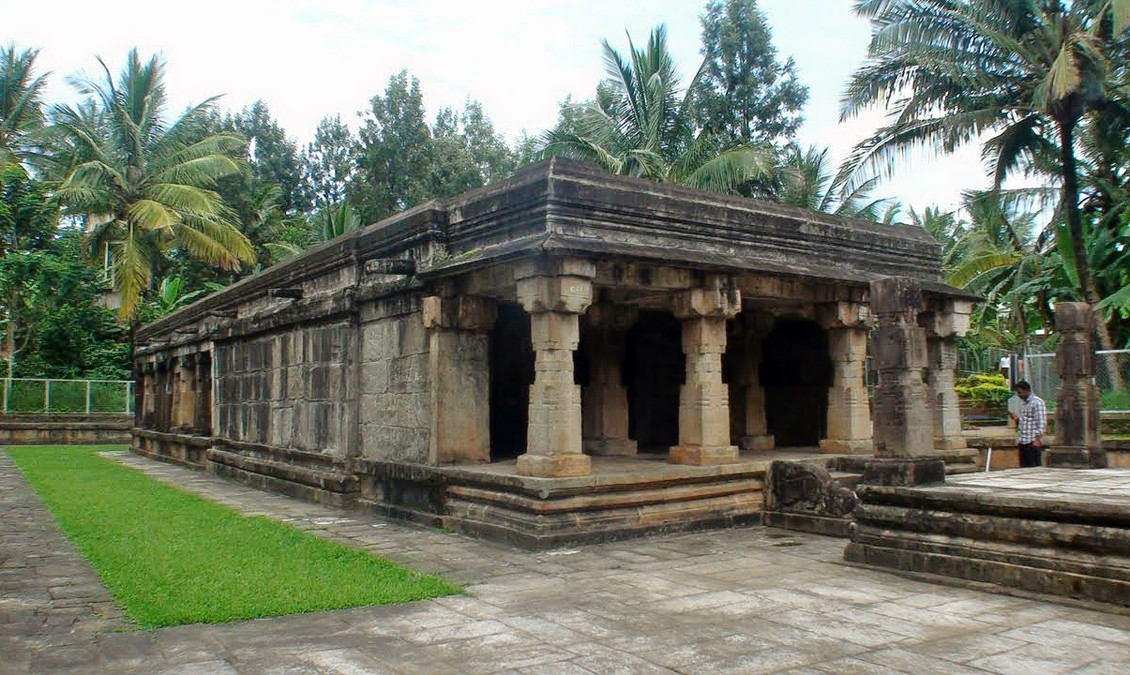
(743, 600)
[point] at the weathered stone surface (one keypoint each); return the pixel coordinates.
(29, 429)
(1078, 443)
(460, 393)
(704, 400)
(1041, 530)
(805, 496)
(903, 426)
(849, 426)
(604, 401)
(554, 431)
(332, 353)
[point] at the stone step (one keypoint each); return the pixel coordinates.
(846, 478)
(506, 512)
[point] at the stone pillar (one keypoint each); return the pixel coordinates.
(704, 402)
(605, 399)
(944, 325)
(459, 370)
(904, 429)
(753, 327)
(1078, 444)
(554, 294)
(184, 394)
(849, 412)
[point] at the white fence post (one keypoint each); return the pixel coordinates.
(88, 397)
(47, 396)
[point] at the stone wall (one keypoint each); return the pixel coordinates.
(395, 384)
(42, 429)
(291, 389)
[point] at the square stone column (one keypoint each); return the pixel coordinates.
(554, 293)
(704, 400)
(459, 370)
(849, 426)
(605, 400)
(904, 428)
(182, 370)
(1078, 444)
(752, 329)
(944, 325)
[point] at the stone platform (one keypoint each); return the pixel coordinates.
(624, 497)
(1059, 531)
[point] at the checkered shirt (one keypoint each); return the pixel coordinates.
(1033, 419)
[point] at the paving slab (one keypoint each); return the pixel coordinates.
(743, 600)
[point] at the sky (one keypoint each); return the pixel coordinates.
(308, 58)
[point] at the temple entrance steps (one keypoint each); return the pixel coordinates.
(1059, 531)
(624, 497)
(818, 494)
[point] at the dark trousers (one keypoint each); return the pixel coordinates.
(1029, 455)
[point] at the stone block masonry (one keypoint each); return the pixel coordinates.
(290, 389)
(395, 389)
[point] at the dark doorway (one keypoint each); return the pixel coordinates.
(654, 369)
(511, 374)
(796, 371)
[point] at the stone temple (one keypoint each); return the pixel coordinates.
(562, 356)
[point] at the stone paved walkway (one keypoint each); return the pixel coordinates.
(746, 600)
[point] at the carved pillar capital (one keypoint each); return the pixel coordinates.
(555, 285)
(707, 302)
(853, 315)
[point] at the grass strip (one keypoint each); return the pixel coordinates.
(171, 558)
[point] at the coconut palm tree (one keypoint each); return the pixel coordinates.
(807, 179)
(1026, 71)
(640, 125)
(144, 185)
(21, 110)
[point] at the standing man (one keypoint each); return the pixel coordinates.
(1031, 423)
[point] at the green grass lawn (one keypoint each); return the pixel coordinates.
(172, 558)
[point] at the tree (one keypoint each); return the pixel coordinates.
(328, 162)
(21, 110)
(467, 152)
(394, 152)
(1024, 70)
(640, 124)
(272, 158)
(806, 179)
(27, 225)
(144, 186)
(745, 94)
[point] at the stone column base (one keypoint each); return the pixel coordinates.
(757, 443)
(696, 455)
(901, 472)
(610, 446)
(554, 466)
(836, 446)
(1075, 457)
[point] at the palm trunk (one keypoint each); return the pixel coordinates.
(1071, 209)
(1078, 246)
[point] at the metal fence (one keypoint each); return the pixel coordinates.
(1112, 378)
(25, 395)
(984, 360)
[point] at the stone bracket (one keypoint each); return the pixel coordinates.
(463, 312)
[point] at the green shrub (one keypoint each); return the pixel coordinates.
(989, 390)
